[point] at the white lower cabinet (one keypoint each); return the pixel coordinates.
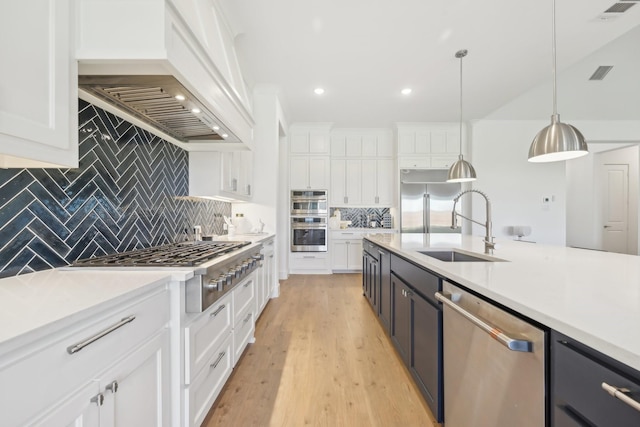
(346, 250)
(108, 368)
(136, 391)
(244, 295)
(78, 409)
(265, 276)
(206, 386)
(309, 263)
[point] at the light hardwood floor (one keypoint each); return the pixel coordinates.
(320, 358)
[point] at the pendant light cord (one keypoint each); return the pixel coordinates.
(553, 50)
(461, 56)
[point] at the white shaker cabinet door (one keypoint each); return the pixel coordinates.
(386, 181)
(81, 408)
(136, 391)
(38, 85)
(319, 173)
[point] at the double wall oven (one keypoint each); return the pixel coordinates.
(309, 211)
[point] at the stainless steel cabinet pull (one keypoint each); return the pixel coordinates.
(79, 346)
(377, 199)
(248, 283)
(619, 393)
(98, 399)
(246, 319)
(113, 387)
(215, 364)
(381, 252)
(218, 310)
(346, 234)
(309, 257)
(606, 226)
(495, 333)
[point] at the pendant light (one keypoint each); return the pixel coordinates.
(558, 141)
(461, 170)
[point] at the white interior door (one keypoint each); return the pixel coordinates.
(615, 207)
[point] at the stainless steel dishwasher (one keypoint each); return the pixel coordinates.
(494, 372)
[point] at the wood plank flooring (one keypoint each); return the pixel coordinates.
(320, 358)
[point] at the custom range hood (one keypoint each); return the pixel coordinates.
(161, 102)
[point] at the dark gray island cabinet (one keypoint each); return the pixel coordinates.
(584, 387)
(589, 388)
(408, 311)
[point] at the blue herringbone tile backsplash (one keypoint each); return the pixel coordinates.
(129, 192)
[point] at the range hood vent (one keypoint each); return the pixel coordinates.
(161, 102)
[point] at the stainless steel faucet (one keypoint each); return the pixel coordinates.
(489, 244)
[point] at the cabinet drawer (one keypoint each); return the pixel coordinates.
(421, 280)
(204, 389)
(414, 162)
(443, 162)
(205, 334)
(309, 261)
(578, 396)
(243, 296)
(40, 377)
(243, 332)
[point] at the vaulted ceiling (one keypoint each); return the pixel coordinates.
(363, 52)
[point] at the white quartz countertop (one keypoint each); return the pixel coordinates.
(591, 296)
(34, 301)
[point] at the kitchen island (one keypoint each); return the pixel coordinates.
(574, 309)
(591, 296)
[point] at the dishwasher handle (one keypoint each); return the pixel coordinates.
(495, 333)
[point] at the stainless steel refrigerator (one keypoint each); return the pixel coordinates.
(426, 201)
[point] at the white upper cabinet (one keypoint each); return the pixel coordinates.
(378, 182)
(188, 39)
(38, 85)
(362, 143)
(309, 172)
(432, 145)
(309, 140)
(226, 175)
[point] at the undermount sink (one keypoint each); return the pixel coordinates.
(455, 256)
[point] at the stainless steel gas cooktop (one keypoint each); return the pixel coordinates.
(210, 281)
(187, 254)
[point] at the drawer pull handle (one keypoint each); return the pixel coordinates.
(215, 364)
(246, 319)
(79, 346)
(248, 283)
(215, 313)
(619, 393)
(495, 333)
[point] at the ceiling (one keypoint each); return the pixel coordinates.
(363, 52)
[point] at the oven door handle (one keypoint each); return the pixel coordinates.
(314, 227)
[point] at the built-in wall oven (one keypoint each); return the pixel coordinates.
(309, 202)
(308, 234)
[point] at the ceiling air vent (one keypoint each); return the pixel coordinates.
(601, 72)
(619, 7)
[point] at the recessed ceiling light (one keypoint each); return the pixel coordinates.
(406, 91)
(216, 127)
(318, 91)
(180, 97)
(196, 110)
(224, 135)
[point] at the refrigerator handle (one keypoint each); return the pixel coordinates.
(427, 212)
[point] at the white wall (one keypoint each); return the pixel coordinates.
(499, 151)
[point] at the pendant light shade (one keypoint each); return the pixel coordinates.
(558, 141)
(461, 170)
